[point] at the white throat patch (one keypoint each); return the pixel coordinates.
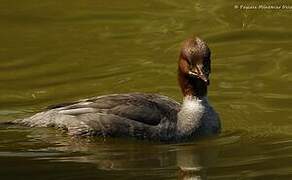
(190, 115)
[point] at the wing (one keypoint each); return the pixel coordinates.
(137, 108)
(146, 108)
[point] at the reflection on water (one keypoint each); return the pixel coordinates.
(52, 52)
(228, 156)
(112, 155)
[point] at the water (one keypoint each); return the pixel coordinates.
(60, 51)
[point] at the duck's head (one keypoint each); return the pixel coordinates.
(194, 67)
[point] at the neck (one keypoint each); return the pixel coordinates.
(190, 116)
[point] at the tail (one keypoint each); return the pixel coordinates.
(6, 124)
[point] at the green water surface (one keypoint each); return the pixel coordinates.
(59, 51)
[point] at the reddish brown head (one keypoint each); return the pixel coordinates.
(194, 67)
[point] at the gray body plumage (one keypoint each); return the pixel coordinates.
(139, 115)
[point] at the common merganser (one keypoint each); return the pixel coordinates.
(141, 115)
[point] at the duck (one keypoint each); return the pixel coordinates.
(144, 115)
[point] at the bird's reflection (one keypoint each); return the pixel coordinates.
(186, 161)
